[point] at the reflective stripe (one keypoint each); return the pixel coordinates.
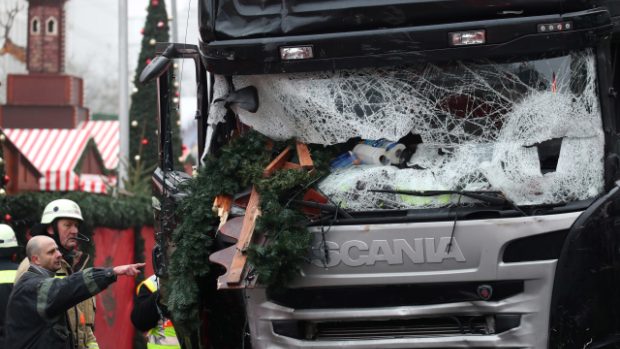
(162, 346)
(149, 283)
(92, 345)
(87, 275)
(42, 295)
(7, 276)
(163, 336)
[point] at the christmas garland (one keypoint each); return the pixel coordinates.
(238, 166)
(288, 240)
(24, 210)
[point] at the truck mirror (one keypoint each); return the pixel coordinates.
(157, 67)
(245, 98)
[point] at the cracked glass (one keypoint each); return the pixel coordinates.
(531, 129)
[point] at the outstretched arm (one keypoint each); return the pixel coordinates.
(55, 296)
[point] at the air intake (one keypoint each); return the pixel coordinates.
(390, 329)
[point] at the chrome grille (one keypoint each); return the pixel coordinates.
(402, 328)
(478, 325)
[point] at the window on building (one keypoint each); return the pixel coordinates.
(35, 26)
(52, 26)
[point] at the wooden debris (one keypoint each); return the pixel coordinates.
(234, 258)
(222, 205)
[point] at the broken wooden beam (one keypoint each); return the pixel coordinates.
(277, 163)
(303, 153)
(235, 272)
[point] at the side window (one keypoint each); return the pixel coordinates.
(35, 26)
(51, 26)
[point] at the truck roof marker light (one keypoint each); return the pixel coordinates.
(554, 27)
(289, 53)
(470, 37)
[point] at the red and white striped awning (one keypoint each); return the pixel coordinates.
(54, 153)
(107, 137)
(94, 183)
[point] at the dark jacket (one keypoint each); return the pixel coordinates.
(82, 331)
(36, 314)
(144, 314)
(8, 270)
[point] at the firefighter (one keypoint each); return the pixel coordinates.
(37, 308)
(61, 220)
(148, 315)
(8, 270)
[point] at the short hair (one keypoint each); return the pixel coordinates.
(33, 247)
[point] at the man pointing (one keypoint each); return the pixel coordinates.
(37, 308)
(61, 220)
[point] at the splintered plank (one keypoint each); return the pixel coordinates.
(237, 265)
(231, 230)
(224, 258)
(222, 205)
(305, 160)
(277, 163)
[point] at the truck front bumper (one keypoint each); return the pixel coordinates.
(517, 317)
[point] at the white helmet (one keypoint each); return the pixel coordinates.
(7, 237)
(61, 208)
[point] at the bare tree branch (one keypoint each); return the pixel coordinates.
(7, 19)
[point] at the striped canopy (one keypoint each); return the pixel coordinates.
(55, 153)
(107, 136)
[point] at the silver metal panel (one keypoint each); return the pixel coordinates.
(481, 243)
(416, 252)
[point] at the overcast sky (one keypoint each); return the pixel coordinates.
(92, 37)
(92, 31)
(92, 42)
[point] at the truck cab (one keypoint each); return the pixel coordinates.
(495, 226)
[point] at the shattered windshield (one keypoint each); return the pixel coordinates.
(531, 129)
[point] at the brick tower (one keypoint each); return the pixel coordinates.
(46, 36)
(45, 97)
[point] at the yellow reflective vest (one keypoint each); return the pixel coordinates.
(162, 336)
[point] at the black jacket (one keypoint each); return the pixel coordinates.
(145, 314)
(8, 269)
(36, 314)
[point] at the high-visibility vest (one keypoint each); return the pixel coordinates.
(7, 276)
(162, 336)
(150, 283)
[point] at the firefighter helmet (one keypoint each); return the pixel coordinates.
(7, 237)
(61, 208)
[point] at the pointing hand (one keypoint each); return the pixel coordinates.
(129, 269)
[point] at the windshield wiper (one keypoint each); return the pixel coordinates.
(490, 197)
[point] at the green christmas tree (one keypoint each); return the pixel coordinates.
(143, 146)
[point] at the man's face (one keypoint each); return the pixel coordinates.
(67, 232)
(49, 256)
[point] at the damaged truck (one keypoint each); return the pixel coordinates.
(472, 200)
